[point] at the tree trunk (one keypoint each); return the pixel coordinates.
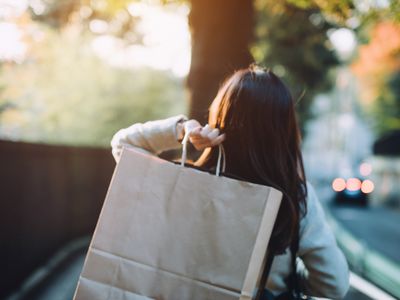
(221, 31)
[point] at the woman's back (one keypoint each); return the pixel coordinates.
(253, 117)
(322, 270)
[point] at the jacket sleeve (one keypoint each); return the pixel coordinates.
(324, 272)
(152, 137)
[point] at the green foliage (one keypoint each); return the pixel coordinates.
(377, 68)
(386, 108)
(335, 10)
(65, 94)
(340, 11)
(291, 38)
(58, 13)
(394, 10)
(294, 44)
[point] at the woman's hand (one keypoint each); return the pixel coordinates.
(203, 137)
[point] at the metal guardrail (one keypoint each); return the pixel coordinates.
(380, 270)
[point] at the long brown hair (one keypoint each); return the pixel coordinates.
(256, 111)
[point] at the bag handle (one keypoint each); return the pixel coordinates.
(221, 155)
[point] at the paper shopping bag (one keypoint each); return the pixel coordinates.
(176, 233)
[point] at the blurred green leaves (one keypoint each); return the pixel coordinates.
(65, 94)
(378, 70)
(386, 107)
(338, 10)
(293, 43)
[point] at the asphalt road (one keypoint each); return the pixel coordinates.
(377, 227)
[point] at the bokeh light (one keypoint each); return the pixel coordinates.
(353, 184)
(339, 184)
(367, 186)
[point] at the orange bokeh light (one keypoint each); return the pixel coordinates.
(353, 184)
(338, 184)
(367, 186)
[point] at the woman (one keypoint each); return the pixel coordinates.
(253, 116)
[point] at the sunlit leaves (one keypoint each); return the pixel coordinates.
(65, 94)
(338, 10)
(335, 10)
(293, 42)
(378, 69)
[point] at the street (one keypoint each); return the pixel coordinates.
(378, 227)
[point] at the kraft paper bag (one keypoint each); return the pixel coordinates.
(177, 233)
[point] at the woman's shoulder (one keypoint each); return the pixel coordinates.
(314, 211)
(327, 270)
(312, 200)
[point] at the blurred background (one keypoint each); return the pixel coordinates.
(73, 72)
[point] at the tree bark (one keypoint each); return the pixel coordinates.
(221, 31)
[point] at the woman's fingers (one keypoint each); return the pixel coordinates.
(191, 125)
(202, 144)
(218, 140)
(195, 131)
(203, 137)
(206, 130)
(198, 135)
(204, 133)
(213, 134)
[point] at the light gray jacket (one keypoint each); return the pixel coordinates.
(322, 268)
